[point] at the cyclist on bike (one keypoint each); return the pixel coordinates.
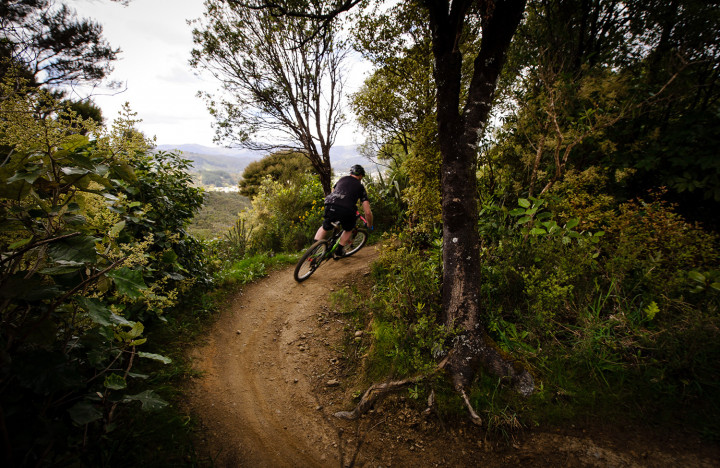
(341, 205)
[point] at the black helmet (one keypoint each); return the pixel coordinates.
(357, 169)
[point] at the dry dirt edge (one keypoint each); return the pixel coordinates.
(272, 375)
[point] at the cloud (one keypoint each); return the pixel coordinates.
(156, 42)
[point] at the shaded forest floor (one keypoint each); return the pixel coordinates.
(273, 372)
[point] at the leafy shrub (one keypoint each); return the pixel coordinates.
(408, 333)
(93, 245)
(386, 199)
(651, 250)
(285, 216)
(625, 318)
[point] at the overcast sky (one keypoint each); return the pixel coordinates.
(161, 86)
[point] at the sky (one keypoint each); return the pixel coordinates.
(159, 83)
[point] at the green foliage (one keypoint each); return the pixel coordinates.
(385, 193)
(216, 178)
(638, 320)
(51, 45)
(93, 248)
(251, 268)
(627, 94)
(533, 221)
(238, 238)
(408, 334)
(652, 250)
(285, 167)
(285, 216)
(423, 191)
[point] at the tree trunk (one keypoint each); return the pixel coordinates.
(458, 135)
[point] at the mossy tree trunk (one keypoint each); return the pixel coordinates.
(460, 126)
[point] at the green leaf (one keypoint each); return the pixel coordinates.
(572, 223)
(715, 286)
(134, 332)
(544, 215)
(517, 212)
(156, 357)
(74, 220)
(169, 256)
(115, 382)
(74, 171)
(651, 310)
(20, 243)
(537, 231)
(62, 268)
(129, 282)
(697, 276)
(149, 399)
(97, 311)
(120, 320)
(524, 220)
(115, 230)
(524, 202)
(84, 412)
(74, 249)
(27, 176)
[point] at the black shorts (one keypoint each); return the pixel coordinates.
(346, 217)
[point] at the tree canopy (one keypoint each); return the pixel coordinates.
(282, 82)
(48, 43)
(282, 166)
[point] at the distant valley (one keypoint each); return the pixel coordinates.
(223, 167)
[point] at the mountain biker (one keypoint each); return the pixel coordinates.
(341, 205)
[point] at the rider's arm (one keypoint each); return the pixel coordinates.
(368, 213)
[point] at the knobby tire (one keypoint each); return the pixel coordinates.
(310, 261)
(359, 240)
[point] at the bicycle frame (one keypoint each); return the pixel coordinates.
(334, 239)
(323, 250)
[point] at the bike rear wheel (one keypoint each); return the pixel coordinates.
(310, 261)
(358, 241)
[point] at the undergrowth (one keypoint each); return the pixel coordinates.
(621, 327)
(249, 269)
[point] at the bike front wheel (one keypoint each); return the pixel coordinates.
(310, 261)
(358, 241)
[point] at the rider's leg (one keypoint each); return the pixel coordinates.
(321, 234)
(345, 238)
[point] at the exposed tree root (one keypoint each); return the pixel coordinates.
(468, 354)
(377, 392)
(473, 415)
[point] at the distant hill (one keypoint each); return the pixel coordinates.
(223, 167)
(218, 167)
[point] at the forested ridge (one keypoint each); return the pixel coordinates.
(546, 217)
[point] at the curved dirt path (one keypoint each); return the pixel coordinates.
(263, 363)
(273, 370)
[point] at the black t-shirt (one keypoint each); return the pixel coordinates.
(346, 193)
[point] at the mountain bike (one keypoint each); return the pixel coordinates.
(323, 250)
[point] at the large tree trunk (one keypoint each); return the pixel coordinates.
(459, 132)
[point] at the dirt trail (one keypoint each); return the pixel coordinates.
(273, 374)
